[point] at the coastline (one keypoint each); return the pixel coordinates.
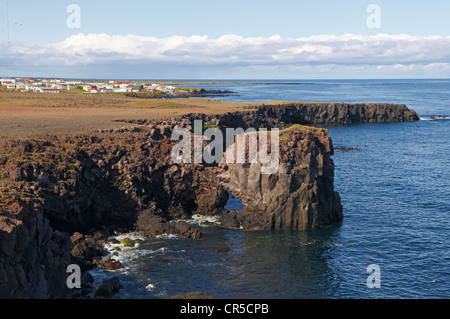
(120, 162)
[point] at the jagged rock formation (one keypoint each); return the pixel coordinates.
(33, 256)
(299, 195)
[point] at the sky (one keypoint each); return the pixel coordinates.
(246, 39)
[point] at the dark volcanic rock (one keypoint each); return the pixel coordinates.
(282, 115)
(108, 288)
(109, 264)
(328, 113)
(87, 247)
(152, 225)
(299, 195)
(33, 256)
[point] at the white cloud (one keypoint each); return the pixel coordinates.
(378, 52)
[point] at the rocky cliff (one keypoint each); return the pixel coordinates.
(282, 115)
(33, 256)
(54, 189)
(333, 113)
(82, 184)
(299, 195)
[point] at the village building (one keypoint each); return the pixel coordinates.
(48, 90)
(137, 87)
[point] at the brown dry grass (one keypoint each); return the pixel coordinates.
(31, 115)
(25, 115)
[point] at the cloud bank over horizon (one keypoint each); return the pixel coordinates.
(232, 56)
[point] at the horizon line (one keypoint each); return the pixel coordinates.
(216, 79)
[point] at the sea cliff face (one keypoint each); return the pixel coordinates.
(33, 256)
(282, 115)
(299, 195)
(335, 113)
(53, 189)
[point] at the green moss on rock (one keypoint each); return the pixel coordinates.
(128, 242)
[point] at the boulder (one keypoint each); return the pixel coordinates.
(109, 264)
(108, 288)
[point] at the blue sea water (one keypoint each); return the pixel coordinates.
(396, 194)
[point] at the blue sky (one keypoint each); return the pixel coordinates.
(191, 39)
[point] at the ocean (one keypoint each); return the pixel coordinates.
(395, 189)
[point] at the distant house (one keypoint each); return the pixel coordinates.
(121, 90)
(21, 86)
(105, 90)
(70, 87)
(122, 85)
(137, 87)
(48, 90)
(7, 81)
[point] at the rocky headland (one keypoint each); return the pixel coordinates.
(62, 197)
(191, 93)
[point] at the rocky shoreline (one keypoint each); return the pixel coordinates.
(62, 198)
(196, 93)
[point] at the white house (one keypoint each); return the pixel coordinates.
(70, 87)
(7, 81)
(122, 90)
(48, 90)
(21, 86)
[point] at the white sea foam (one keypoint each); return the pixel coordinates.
(433, 119)
(204, 220)
(133, 236)
(150, 287)
(128, 254)
(167, 236)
